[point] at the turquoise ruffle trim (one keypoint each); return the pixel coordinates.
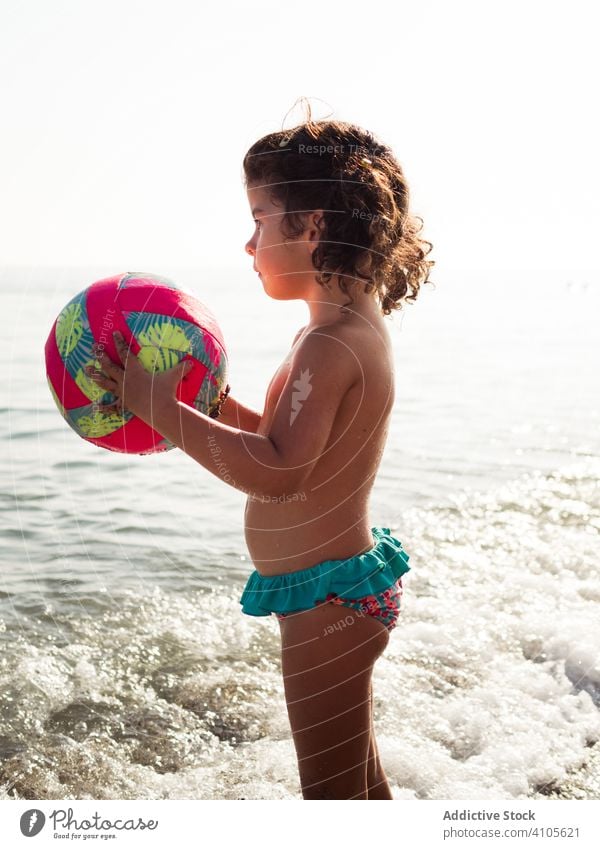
(365, 574)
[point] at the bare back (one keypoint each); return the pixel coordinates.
(328, 518)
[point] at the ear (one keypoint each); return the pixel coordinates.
(315, 225)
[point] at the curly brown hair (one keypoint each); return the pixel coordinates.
(367, 233)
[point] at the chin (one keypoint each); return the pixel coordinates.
(278, 292)
(282, 296)
(283, 289)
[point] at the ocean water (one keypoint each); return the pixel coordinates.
(127, 669)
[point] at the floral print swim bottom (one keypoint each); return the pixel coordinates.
(384, 606)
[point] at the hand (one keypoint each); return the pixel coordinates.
(136, 389)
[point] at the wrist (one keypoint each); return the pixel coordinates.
(160, 405)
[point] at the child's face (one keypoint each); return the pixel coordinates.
(285, 267)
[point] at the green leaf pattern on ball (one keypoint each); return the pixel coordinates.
(165, 334)
(163, 345)
(69, 328)
(99, 424)
(74, 341)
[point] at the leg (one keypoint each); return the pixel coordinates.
(328, 655)
(377, 783)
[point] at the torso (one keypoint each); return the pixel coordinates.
(329, 519)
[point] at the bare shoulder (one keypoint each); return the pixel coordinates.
(330, 348)
(360, 344)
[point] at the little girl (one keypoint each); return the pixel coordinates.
(330, 201)
(332, 228)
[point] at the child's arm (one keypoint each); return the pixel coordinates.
(235, 414)
(321, 373)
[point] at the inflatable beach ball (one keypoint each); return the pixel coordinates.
(162, 324)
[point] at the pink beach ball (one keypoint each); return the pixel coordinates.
(162, 324)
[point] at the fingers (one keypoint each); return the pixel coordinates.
(106, 363)
(100, 378)
(121, 346)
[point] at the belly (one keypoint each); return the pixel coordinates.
(287, 534)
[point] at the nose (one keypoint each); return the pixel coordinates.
(249, 247)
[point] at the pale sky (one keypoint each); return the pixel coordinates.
(123, 124)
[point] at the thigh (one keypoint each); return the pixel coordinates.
(328, 654)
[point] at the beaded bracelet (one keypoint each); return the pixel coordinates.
(222, 398)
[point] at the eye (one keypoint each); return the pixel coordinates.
(257, 222)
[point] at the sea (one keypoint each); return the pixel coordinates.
(127, 670)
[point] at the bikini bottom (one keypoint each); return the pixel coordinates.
(368, 582)
(384, 606)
